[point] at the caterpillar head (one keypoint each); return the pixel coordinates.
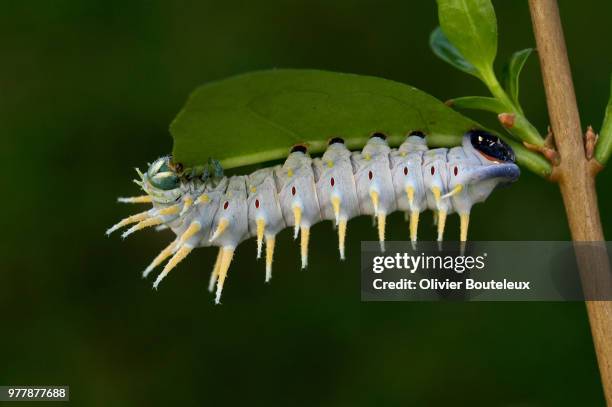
(483, 163)
(161, 181)
(497, 157)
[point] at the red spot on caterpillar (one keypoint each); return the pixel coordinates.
(405, 171)
(292, 190)
(370, 175)
(225, 205)
(456, 171)
(433, 170)
(332, 182)
(257, 203)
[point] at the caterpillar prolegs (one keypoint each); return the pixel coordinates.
(212, 210)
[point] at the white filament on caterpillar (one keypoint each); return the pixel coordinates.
(340, 185)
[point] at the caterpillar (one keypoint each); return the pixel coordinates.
(213, 210)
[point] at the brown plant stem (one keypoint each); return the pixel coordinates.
(575, 174)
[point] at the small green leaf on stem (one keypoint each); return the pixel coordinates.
(603, 148)
(511, 73)
(520, 127)
(447, 52)
(471, 27)
(477, 103)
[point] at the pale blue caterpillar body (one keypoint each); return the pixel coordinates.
(219, 211)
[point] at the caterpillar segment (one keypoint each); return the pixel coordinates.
(230, 227)
(407, 178)
(265, 215)
(435, 176)
(212, 210)
(371, 169)
(298, 196)
(336, 190)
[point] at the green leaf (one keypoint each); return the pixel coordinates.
(603, 148)
(447, 52)
(471, 26)
(257, 117)
(478, 103)
(511, 73)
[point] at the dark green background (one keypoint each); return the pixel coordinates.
(88, 90)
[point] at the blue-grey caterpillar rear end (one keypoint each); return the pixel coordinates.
(212, 210)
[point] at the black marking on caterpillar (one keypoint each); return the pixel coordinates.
(212, 210)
